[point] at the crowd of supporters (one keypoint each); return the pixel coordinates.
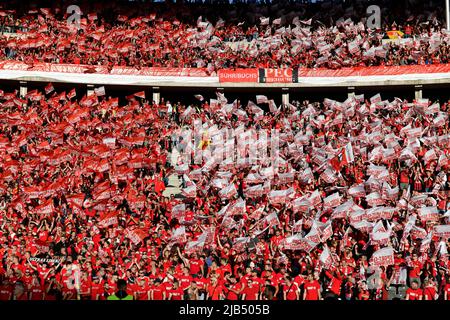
(304, 201)
(341, 199)
(228, 36)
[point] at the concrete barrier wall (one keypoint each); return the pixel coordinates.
(211, 82)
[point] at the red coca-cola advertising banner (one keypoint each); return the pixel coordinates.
(238, 75)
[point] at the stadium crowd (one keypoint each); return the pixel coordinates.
(350, 201)
(270, 37)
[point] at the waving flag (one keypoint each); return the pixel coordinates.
(76, 199)
(238, 208)
(375, 99)
(306, 22)
(72, 94)
(197, 245)
(261, 99)
(425, 244)
(326, 231)
(383, 257)
(228, 192)
(140, 94)
(357, 191)
(347, 155)
(108, 219)
(136, 235)
(379, 235)
(100, 91)
(313, 234)
(430, 155)
(315, 198)
(341, 211)
(332, 200)
(328, 176)
(353, 47)
(46, 208)
(429, 214)
(264, 21)
(279, 196)
(49, 88)
(325, 258)
(301, 205)
(190, 191)
(199, 97)
(296, 242)
(179, 235)
(442, 231)
(240, 244)
(272, 219)
(178, 210)
(273, 107)
(374, 199)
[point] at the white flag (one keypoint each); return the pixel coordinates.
(199, 97)
(264, 21)
(325, 258)
(100, 91)
(261, 99)
(383, 257)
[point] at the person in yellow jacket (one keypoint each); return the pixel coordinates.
(121, 293)
(394, 33)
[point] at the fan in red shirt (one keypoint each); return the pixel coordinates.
(291, 290)
(6, 290)
(273, 280)
(19, 292)
(108, 290)
(96, 289)
(224, 268)
(414, 293)
(311, 289)
(429, 290)
(157, 291)
(250, 292)
(27, 278)
(335, 282)
(447, 292)
(233, 289)
(257, 281)
(141, 290)
(195, 265)
(215, 290)
(415, 269)
(185, 279)
(363, 292)
(176, 293)
(275, 240)
(85, 286)
(36, 290)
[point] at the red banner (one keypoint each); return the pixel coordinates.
(238, 75)
(161, 72)
(250, 75)
(374, 71)
(119, 70)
